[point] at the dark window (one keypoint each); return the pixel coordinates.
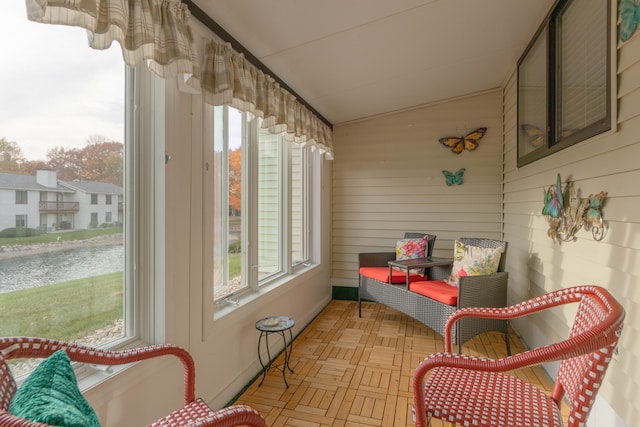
(21, 197)
(21, 221)
(564, 90)
(94, 199)
(107, 199)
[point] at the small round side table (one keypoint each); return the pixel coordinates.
(279, 325)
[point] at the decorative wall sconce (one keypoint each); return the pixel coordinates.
(567, 213)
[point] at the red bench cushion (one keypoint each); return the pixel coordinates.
(381, 274)
(438, 290)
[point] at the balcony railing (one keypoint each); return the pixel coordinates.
(59, 207)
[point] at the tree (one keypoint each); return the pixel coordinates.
(30, 167)
(102, 160)
(66, 162)
(235, 179)
(11, 157)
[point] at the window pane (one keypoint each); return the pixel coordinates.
(582, 78)
(61, 262)
(299, 173)
(229, 225)
(269, 203)
(532, 98)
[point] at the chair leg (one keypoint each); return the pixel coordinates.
(359, 301)
(508, 342)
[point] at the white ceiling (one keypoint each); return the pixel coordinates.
(351, 59)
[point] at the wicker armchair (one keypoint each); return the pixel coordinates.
(194, 412)
(468, 390)
(474, 291)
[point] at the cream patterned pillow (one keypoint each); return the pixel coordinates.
(473, 261)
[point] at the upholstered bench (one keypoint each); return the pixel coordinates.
(432, 299)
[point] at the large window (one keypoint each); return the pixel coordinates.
(564, 80)
(229, 233)
(64, 104)
(260, 189)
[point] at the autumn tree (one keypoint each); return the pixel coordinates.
(235, 179)
(67, 162)
(11, 158)
(102, 161)
(30, 167)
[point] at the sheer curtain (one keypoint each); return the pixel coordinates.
(155, 31)
(229, 79)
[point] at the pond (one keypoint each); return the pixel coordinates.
(59, 266)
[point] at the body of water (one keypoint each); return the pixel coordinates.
(59, 266)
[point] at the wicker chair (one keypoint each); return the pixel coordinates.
(474, 291)
(194, 412)
(468, 390)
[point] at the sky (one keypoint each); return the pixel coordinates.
(54, 89)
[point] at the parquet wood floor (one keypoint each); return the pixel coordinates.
(351, 371)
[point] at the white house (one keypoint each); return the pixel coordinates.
(43, 202)
(98, 202)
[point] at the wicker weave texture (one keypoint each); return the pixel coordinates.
(194, 412)
(477, 391)
(474, 291)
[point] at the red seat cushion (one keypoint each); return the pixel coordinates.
(438, 290)
(381, 274)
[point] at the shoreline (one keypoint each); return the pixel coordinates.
(19, 251)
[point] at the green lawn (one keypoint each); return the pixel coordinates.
(65, 311)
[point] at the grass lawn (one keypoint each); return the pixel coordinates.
(65, 311)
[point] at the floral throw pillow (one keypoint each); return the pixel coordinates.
(473, 261)
(412, 248)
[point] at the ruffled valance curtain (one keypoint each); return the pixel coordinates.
(158, 32)
(155, 31)
(228, 78)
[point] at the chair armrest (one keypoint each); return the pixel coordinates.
(571, 347)
(32, 347)
(237, 415)
(489, 290)
(375, 259)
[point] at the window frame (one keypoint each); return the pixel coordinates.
(250, 194)
(553, 139)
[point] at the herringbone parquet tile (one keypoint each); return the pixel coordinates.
(351, 371)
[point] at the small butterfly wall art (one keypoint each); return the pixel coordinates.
(467, 142)
(454, 178)
(629, 18)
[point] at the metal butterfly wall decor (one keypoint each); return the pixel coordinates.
(567, 213)
(454, 178)
(467, 142)
(629, 18)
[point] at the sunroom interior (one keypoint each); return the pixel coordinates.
(388, 81)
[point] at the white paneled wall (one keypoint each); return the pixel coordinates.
(387, 179)
(536, 265)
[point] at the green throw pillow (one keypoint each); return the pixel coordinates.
(50, 395)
